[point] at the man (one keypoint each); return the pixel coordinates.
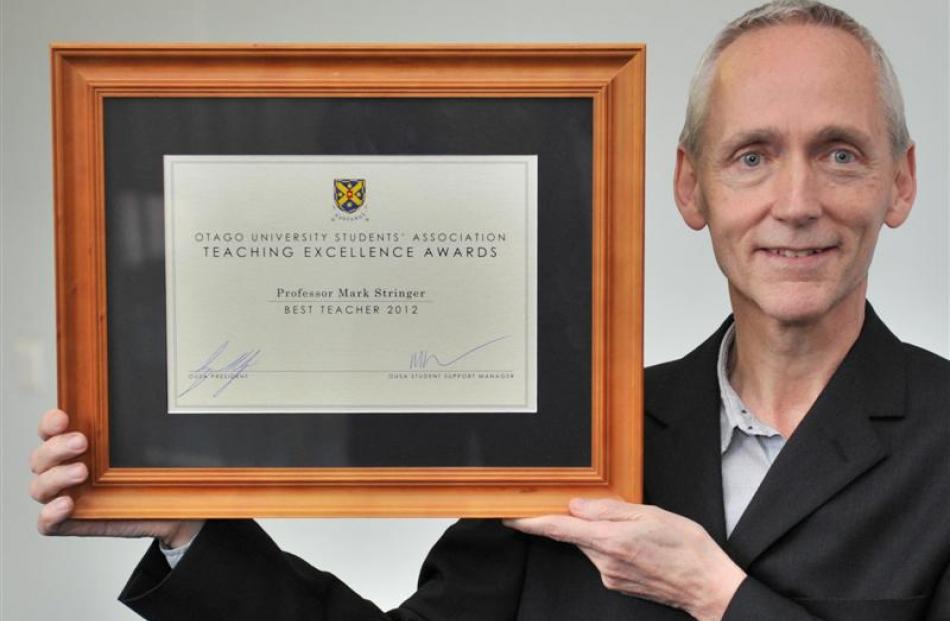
(797, 462)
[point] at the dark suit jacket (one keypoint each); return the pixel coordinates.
(851, 522)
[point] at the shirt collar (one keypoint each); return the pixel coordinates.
(734, 414)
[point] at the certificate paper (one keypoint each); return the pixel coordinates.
(351, 283)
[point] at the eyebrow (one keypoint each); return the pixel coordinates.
(844, 133)
(748, 137)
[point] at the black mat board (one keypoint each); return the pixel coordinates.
(139, 131)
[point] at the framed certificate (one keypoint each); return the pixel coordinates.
(350, 280)
(291, 287)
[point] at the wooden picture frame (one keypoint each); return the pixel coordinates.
(610, 78)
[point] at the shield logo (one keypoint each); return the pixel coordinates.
(349, 194)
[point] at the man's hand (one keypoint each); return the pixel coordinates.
(54, 477)
(647, 552)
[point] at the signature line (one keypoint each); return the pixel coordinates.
(421, 359)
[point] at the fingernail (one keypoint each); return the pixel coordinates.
(61, 504)
(76, 442)
(77, 471)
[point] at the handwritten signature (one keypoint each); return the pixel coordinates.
(229, 372)
(421, 359)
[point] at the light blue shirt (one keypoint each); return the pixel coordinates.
(173, 555)
(748, 446)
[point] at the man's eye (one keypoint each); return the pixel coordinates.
(842, 156)
(752, 159)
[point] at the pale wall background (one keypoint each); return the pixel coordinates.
(685, 294)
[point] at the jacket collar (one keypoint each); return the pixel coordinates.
(682, 458)
(835, 443)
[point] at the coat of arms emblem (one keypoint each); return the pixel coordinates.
(349, 195)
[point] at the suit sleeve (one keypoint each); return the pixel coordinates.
(235, 572)
(940, 604)
(754, 601)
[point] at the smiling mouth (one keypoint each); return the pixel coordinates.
(792, 253)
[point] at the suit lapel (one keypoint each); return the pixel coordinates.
(683, 462)
(835, 443)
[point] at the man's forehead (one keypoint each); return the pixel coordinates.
(786, 55)
(795, 73)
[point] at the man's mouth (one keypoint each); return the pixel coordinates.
(797, 253)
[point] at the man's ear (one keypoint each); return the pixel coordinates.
(686, 191)
(904, 190)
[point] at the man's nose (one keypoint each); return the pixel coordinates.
(796, 200)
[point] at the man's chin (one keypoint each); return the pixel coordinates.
(796, 314)
(800, 306)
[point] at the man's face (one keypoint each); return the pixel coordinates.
(796, 173)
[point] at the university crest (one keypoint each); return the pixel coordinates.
(349, 194)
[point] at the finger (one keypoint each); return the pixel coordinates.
(616, 567)
(53, 514)
(598, 558)
(55, 519)
(52, 423)
(83, 528)
(627, 578)
(56, 450)
(47, 485)
(607, 509)
(559, 527)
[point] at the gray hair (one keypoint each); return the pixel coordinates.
(793, 12)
